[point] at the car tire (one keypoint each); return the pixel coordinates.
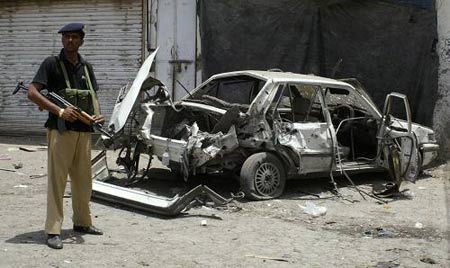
(262, 177)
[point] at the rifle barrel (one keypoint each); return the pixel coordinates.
(59, 98)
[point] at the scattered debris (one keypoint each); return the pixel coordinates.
(367, 234)
(18, 165)
(383, 233)
(408, 194)
(311, 209)
(428, 260)
(379, 232)
(6, 169)
(203, 223)
(396, 250)
(21, 186)
(143, 263)
(33, 149)
(37, 176)
(418, 225)
(267, 258)
(110, 244)
(387, 264)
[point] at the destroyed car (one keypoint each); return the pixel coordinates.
(266, 127)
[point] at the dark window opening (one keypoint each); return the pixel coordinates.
(237, 89)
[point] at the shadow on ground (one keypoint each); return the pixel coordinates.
(39, 237)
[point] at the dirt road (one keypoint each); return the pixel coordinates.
(411, 231)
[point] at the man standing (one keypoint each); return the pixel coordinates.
(69, 140)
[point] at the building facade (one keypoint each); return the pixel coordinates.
(441, 116)
(119, 35)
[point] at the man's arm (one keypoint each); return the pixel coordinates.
(69, 113)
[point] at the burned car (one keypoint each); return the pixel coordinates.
(266, 127)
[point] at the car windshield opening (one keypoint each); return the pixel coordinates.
(234, 90)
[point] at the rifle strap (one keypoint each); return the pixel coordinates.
(93, 93)
(64, 71)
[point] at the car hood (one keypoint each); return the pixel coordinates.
(123, 108)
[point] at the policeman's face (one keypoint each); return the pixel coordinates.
(71, 41)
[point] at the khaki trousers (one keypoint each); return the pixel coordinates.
(69, 153)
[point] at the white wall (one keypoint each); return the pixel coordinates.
(441, 117)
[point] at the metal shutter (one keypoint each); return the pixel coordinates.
(28, 34)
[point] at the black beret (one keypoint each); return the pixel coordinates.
(73, 27)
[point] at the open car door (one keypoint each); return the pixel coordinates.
(397, 144)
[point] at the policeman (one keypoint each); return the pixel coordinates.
(69, 139)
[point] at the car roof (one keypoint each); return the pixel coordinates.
(286, 77)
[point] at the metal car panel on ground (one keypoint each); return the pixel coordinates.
(145, 201)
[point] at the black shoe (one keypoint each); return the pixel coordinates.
(87, 230)
(390, 190)
(54, 241)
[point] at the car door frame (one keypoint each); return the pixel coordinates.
(398, 149)
(312, 141)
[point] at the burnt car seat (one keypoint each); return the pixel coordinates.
(300, 107)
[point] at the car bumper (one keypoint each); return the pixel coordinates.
(429, 153)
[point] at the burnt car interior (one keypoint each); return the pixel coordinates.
(356, 128)
(176, 125)
(297, 103)
(240, 90)
(233, 94)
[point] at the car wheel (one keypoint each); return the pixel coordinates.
(262, 177)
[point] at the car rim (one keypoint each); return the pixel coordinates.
(267, 179)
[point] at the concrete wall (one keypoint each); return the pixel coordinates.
(441, 117)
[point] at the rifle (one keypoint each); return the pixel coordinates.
(63, 103)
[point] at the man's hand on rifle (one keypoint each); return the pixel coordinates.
(99, 119)
(70, 114)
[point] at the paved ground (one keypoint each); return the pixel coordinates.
(411, 231)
